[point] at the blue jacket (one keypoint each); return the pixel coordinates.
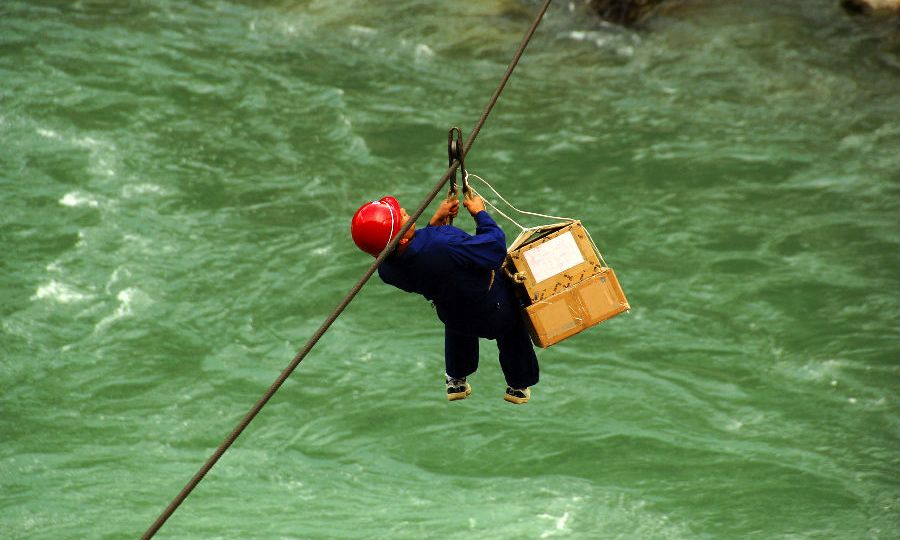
(460, 274)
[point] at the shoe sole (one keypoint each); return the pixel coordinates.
(460, 395)
(517, 400)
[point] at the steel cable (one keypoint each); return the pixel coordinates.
(176, 502)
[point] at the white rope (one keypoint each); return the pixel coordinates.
(508, 204)
(593, 244)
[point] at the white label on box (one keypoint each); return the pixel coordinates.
(553, 256)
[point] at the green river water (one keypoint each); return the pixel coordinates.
(177, 181)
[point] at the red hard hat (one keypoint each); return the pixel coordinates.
(375, 224)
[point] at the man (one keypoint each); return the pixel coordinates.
(460, 274)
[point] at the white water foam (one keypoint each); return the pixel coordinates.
(127, 299)
(79, 199)
(58, 291)
(134, 190)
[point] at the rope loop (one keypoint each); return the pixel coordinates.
(523, 212)
(518, 277)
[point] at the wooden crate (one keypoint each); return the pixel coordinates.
(576, 308)
(565, 286)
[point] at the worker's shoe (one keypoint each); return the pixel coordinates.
(457, 388)
(517, 395)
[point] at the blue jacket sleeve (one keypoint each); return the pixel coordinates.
(484, 251)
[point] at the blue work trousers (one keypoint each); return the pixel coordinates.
(516, 353)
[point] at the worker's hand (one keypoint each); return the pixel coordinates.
(448, 208)
(474, 205)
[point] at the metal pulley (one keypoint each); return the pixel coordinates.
(456, 152)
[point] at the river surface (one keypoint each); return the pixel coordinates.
(177, 181)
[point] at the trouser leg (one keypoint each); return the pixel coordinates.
(517, 358)
(460, 354)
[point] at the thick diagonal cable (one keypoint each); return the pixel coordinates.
(220, 451)
(512, 65)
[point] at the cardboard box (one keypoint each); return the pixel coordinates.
(581, 306)
(563, 282)
(549, 259)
